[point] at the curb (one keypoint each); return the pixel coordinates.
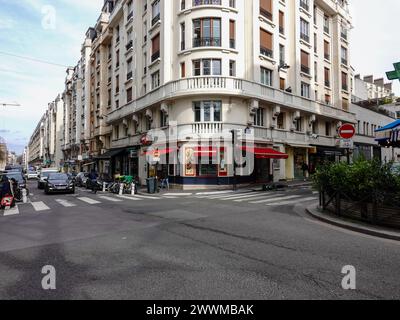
(315, 213)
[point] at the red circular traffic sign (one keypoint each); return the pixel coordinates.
(347, 131)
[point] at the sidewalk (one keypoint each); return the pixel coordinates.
(352, 225)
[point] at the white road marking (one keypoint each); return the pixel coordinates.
(147, 197)
(277, 199)
(258, 197)
(213, 193)
(88, 200)
(227, 196)
(129, 198)
(40, 206)
(11, 212)
(253, 194)
(110, 199)
(177, 194)
(65, 203)
(286, 203)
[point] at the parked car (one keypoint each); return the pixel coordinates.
(32, 175)
(81, 179)
(43, 176)
(59, 182)
(18, 176)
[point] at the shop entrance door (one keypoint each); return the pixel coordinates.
(299, 159)
(261, 172)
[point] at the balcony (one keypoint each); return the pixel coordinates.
(155, 19)
(228, 87)
(206, 42)
(206, 2)
(155, 56)
(266, 14)
(305, 37)
(129, 45)
(305, 69)
(266, 52)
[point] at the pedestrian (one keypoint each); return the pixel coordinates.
(305, 169)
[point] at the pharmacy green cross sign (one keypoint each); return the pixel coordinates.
(394, 75)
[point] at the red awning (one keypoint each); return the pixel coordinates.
(265, 153)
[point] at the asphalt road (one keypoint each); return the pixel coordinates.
(245, 245)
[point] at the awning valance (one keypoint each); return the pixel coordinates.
(110, 154)
(265, 153)
(159, 152)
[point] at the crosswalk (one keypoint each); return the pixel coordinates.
(251, 197)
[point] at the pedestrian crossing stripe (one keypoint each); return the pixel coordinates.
(89, 200)
(65, 203)
(110, 199)
(11, 212)
(286, 203)
(220, 197)
(275, 200)
(258, 197)
(213, 193)
(146, 197)
(40, 206)
(255, 194)
(177, 194)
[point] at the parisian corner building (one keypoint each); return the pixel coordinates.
(182, 88)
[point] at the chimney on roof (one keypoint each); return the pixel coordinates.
(369, 79)
(389, 86)
(379, 82)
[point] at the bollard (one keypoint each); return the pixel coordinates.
(133, 189)
(24, 196)
(121, 189)
(104, 187)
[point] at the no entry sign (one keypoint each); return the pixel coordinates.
(347, 131)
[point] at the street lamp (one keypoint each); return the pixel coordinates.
(283, 66)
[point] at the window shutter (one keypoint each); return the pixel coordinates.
(232, 31)
(156, 44)
(266, 39)
(304, 59)
(266, 5)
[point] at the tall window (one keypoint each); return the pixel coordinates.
(259, 117)
(327, 50)
(155, 48)
(327, 73)
(304, 30)
(207, 111)
(207, 32)
(343, 52)
(155, 12)
(305, 90)
(155, 80)
(232, 34)
(183, 35)
(266, 48)
(266, 9)
(305, 62)
(345, 86)
(207, 67)
(266, 76)
(232, 68)
(281, 22)
(282, 55)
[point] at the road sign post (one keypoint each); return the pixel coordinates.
(346, 133)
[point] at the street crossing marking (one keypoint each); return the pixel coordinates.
(213, 193)
(88, 200)
(110, 199)
(177, 194)
(11, 212)
(255, 194)
(147, 197)
(275, 200)
(258, 197)
(220, 197)
(286, 203)
(65, 203)
(129, 198)
(40, 206)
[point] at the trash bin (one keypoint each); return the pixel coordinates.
(151, 185)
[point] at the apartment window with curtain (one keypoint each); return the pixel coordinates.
(282, 55)
(304, 30)
(305, 62)
(266, 76)
(327, 73)
(155, 45)
(259, 117)
(344, 55)
(155, 12)
(345, 86)
(266, 9)
(266, 40)
(207, 111)
(183, 35)
(305, 90)
(207, 32)
(232, 34)
(207, 67)
(281, 22)
(327, 50)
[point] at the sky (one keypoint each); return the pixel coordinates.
(53, 31)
